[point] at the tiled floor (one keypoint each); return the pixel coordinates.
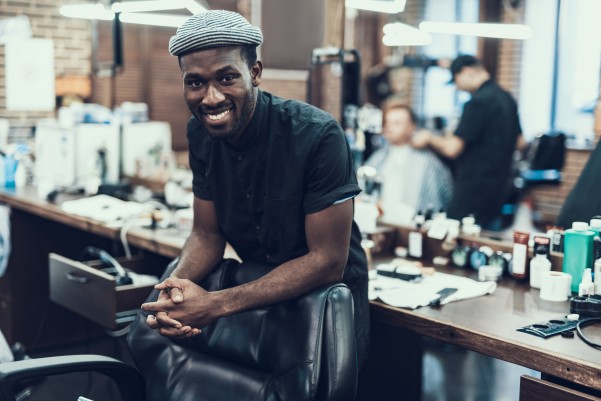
(454, 374)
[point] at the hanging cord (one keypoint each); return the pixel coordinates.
(587, 322)
(164, 223)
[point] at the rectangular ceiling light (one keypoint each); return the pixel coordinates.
(153, 19)
(383, 6)
(135, 12)
(488, 30)
(87, 11)
(156, 5)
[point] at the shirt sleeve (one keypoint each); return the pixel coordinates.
(472, 123)
(330, 176)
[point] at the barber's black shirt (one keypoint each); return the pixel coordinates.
(489, 127)
(291, 160)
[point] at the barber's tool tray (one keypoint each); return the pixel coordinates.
(549, 328)
(586, 306)
(89, 289)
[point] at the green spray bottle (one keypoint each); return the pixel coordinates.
(577, 252)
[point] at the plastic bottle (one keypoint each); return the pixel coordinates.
(586, 287)
(578, 252)
(467, 224)
(415, 249)
(453, 229)
(538, 265)
(597, 274)
(1, 170)
(10, 167)
(519, 268)
(595, 225)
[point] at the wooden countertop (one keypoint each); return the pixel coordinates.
(485, 324)
(166, 242)
(488, 324)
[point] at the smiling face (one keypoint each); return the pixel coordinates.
(221, 90)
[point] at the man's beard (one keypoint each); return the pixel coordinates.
(239, 124)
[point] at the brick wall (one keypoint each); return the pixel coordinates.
(72, 47)
(548, 199)
(286, 84)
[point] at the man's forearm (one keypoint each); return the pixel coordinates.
(448, 146)
(289, 280)
(199, 256)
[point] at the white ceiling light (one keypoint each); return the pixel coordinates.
(383, 6)
(153, 19)
(399, 34)
(157, 5)
(133, 11)
(87, 11)
(488, 30)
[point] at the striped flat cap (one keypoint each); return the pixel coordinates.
(214, 28)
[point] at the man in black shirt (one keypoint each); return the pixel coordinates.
(482, 145)
(272, 177)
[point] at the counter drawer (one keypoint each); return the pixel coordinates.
(532, 389)
(90, 292)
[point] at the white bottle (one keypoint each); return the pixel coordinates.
(416, 238)
(586, 287)
(538, 265)
(598, 277)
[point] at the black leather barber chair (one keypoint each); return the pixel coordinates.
(544, 160)
(15, 377)
(303, 349)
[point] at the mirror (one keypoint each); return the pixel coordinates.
(554, 77)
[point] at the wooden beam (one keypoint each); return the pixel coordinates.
(334, 23)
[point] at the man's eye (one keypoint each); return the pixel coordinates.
(194, 83)
(228, 78)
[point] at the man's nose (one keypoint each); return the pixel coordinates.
(213, 96)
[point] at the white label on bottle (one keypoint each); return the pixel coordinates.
(520, 251)
(415, 244)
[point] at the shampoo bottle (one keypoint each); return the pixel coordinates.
(578, 252)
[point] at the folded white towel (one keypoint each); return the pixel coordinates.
(403, 294)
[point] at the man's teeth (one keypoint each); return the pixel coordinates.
(215, 117)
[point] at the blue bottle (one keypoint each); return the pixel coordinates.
(577, 252)
(10, 167)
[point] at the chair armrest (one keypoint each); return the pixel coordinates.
(127, 378)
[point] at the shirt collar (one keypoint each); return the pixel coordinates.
(255, 131)
(486, 83)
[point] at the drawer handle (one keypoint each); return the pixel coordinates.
(74, 277)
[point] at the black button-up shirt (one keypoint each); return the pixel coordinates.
(489, 127)
(291, 160)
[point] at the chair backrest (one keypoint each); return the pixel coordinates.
(302, 349)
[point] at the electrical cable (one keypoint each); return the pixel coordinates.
(587, 322)
(165, 222)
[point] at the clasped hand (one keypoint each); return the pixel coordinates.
(181, 309)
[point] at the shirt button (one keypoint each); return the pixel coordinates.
(268, 256)
(258, 227)
(247, 195)
(238, 157)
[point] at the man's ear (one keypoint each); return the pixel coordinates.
(256, 72)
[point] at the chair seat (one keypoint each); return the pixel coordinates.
(214, 379)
